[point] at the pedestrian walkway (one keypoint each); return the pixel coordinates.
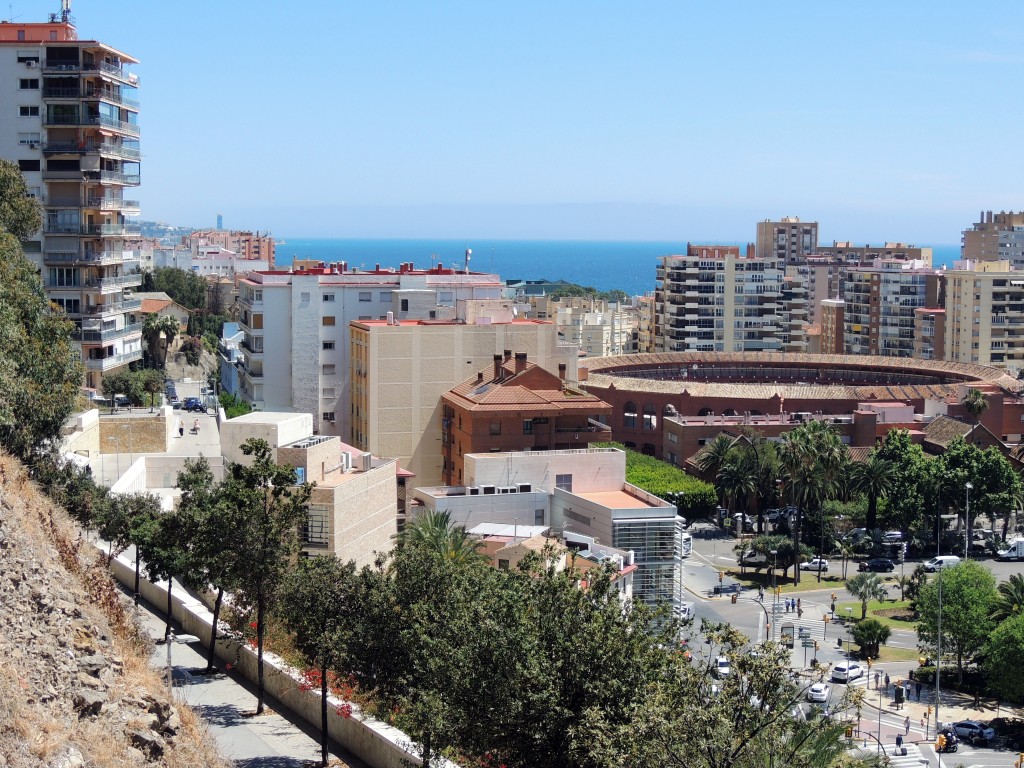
(225, 702)
(914, 757)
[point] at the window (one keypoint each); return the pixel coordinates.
(563, 482)
(304, 297)
(629, 415)
(405, 305)
(328, 297)
(538, 517)
(502, 564)
(328, 416)
(28, 165)
(328, 393)
(673, 437)
(527, 426)
(385, 296)
(445, 297)
(495, 428)
(365, 296)
(61, 277)
(329, 369)
(257, 295)
(328, 345)
(328, 319)
(28, 111)
(72, 306)
(314, 529)
(28, 138)
(29, 84)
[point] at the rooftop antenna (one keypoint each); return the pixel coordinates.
(469, 254)
(65, 11)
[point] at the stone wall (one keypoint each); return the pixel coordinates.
(138, 433)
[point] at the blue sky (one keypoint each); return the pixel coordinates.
(576, 120)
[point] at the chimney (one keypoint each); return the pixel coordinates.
(497, 367)
(479, 376)
(508, 355)
(561, 371)
(376, 268)
(520, 362)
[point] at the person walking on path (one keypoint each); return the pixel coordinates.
(181, 428)
(886, 682)
(906, 725)
(760, 594)
(918, 690)
(899, 743)
(878, 676)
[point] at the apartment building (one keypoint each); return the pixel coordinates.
(645, 323)
(250, 246)
(832, 314)
(823, 279)
(400, 369)
(515, 405)
(984, 318)
(714, 299)
(599, 328)
(295, 354)
(788, 240)
(881, 300)
(581, 492)
(70, 122)
(208, 261)
(930, 333)
(847, 253)
(995, 237)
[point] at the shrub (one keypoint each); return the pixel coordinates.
(694, 499)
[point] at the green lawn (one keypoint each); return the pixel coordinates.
(808, 581)
(873, 607)
(886, 653)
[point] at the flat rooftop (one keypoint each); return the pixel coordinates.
(616, 500)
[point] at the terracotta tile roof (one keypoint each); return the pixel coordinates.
(943, 430)
(532, 387)
(150, 306)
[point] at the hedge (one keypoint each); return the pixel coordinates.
(694, 499)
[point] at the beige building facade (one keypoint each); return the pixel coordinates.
(399, 371)
(995, 237)
(787, 240)
(984, 320)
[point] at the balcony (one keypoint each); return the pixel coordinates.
(51, 65)
(121, 126)
(112, 284)
(102, 336)
(111, 204)
(114, 70)
(97, 258)
(113, 308)
(90, 147)
(112, 97)
(111, 230)
(248, 346)
(114, 177)
(112, 361)
(62, 93)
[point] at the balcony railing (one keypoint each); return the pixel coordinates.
(115, 98)
(111, 204)
(89, 147)
(112, 361)
(62, 93)
(114, 177)
(248, 347)
(113, 308)
(115, 282)
(90, 257)
(101, 336)
(113, 69)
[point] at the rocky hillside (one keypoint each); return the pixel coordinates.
(75, 685)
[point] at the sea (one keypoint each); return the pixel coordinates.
(605, 265)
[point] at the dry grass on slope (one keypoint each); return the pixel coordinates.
(76, 688)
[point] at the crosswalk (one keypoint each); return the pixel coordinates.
(914, 757)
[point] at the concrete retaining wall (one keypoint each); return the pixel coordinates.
(374, 742)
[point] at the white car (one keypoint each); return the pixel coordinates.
(974, 732)
(845, 671)
(819, 692)
(817, 564)
(892, 536)
(722, 668)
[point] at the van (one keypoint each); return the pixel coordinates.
(942, 561)
(1014, 550)
(684, 611)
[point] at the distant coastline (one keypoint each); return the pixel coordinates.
(605, 265)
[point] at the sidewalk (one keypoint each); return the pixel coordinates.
(225, 702)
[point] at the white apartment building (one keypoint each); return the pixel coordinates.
(714, 299)
(295, 353)
(400, 369)
(597, 327)
(580, 492)
(207, 261)
(995, 237)
(847, 252)
(788, 240)
(70, 122)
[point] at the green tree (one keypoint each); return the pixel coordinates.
(40, 369)
(909, 488)
(866, 587)
(318, 600)
(153, 384)
(1003, 653)
(974, 403)
(270, 507)
(183, 286)
(712, 457)
(737, 480)
(160, 332)
(873, 478)
(869, 634)
(1010, 600)
(786, 551)
(968, 597)
(435, 531)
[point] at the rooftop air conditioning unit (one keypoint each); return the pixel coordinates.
(525, 488)
(487, 490)
(31, 64)
(473, 490)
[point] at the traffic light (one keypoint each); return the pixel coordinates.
(824, 617)
(849, 732)
(734, 597)
(940, 742)
(816, 646)
(719, 577)
(833, 597)
(929, 711)
(869, 663)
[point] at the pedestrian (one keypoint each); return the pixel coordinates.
(886, 682)
(760, 594)
(918, 690)
(181, 428)
(798, 603)
(977, 698)
(906, 725)
(906, 690)
(878, 676)
(195, 426)
(899, 743)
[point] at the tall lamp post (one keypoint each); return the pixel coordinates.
(967, 524)
(775, 598)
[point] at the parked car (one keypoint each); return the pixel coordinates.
(194, 404)
(845, 671)
(892, 536)
(817, 564)
(974, 732)
(728, 589)
(819, 692)
(877, 564)
(175, 403)
(942, 561)
(754, 559)
(722, 667)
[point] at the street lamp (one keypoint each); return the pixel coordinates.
(967, 524)
(775, 597)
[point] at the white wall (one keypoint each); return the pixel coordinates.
(595, 469)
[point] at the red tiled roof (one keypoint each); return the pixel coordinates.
(532, 387)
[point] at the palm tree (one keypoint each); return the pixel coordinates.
(845, 552)
(1011, 598)
(736, 479)
(156, 327)
(874, 478)
(713, 456)
(975, 403)
(435, 532)
(869, 635)
(866, 587)
(904, 582)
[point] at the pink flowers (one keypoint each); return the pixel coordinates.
(345, 710)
